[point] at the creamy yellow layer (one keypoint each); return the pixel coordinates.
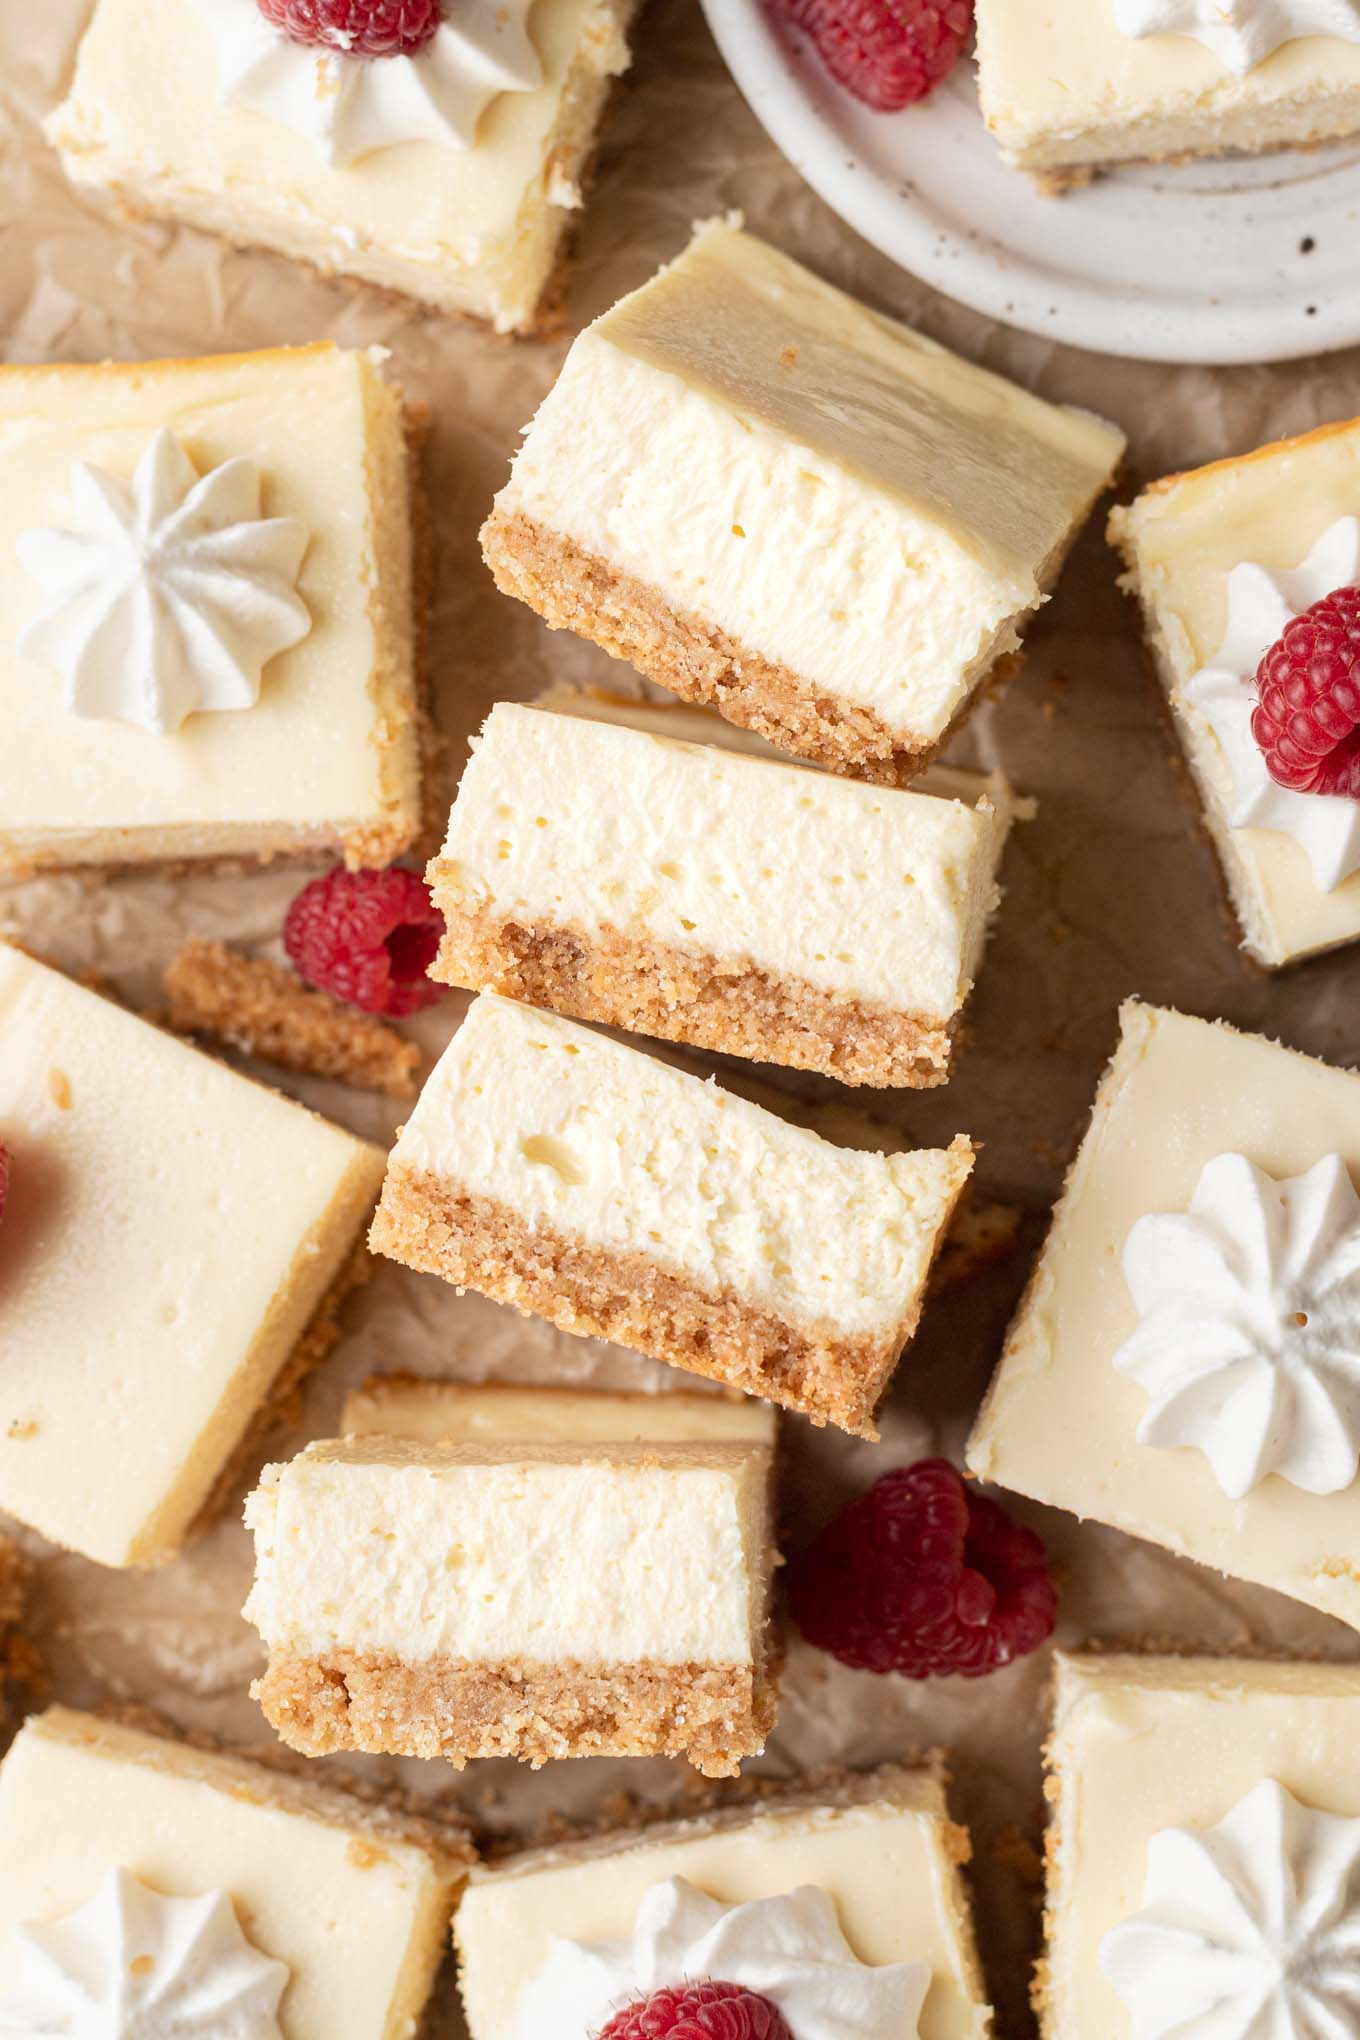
(1145, 1743)
(487, 1413)
(1061, 84)
(614, 1148)
(1060, 1424)
(1181, 540)
(859, 891)
(329, 754)
(170, 1231)
(838, 493)
(888, 1860)
(476, 230)
(600, 1555)
(80, 1796)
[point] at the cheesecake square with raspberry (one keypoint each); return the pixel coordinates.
(1182, 1364)
(840, 1900)
(159, 1293)
(152, 1888)
(774, 500)
(522, 1600)
(571, 1175)
(438, 149)
(1246, 574)
(207, 612)
(1204, 1834)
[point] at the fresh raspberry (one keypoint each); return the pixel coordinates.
(887, 52)
(1307, 719)
(920, 1576)
(699, 2011)
(367, 937)
(5, 1167)
(361, 28)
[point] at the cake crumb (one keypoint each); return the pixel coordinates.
(22, 1427)
(59, 1089)
(262, 1009)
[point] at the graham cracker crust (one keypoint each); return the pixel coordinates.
(478, 1243)
(574, 590)
(263, 1010)
(714, 1715)
(735, 1008)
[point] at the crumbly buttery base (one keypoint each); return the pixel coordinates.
(478, 1243)
(714, 1715)
(711, 1002)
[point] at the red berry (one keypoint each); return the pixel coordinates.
(699, 2011)
(361, 28)
(1307, 718)
(921, 1576)
(5, 1168)
(367, 937)
(887, 52)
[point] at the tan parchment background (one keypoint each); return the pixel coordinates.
(1109, 891)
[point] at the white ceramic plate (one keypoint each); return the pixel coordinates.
(1243, 260)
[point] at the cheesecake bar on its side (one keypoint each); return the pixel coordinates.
(207, 638)
(171, 1233)
(208, 1890)
(1219, 561)
(1202, 1845)
(1070, 87)
(770, 498)
(565, 1173)
(725, 901)
(505, 1413)
(451, 175)
(530, 1601)
(858, 1877)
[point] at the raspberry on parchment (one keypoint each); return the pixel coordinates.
(367, 938)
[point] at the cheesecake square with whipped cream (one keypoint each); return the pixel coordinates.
(1183, 1363)
(506, 1413)
(1203, 1844)
(152, 1888)
(519, 1600)
(577, 1178)
(1221, 562)
(161, 1284)
(449, 168)
(843, 1903)
(206, 611)
(772, 499)
(1070, 87)
(690, 892)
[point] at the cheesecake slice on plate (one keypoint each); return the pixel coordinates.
(530, 1601)
(773, 499)
(558, 1170)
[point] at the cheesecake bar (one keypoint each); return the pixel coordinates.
(147, 1887)
(171, 1239)
(530, 1601)
(1220, 561)
(856, 1885)
(565, 1173)
(503, 1413)
(1070, 87)
(450, 173)
(706, 897)
(206, 587)
(1204, 1837)
(770, 498)
(1183, 1364)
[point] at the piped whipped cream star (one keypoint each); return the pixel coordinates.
(133, 1964)
(350, 107)
(789, 1948)
(1248, 1338)
(1260, 604)
(170, 596)
(1241, 33)
(1251, 1929)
